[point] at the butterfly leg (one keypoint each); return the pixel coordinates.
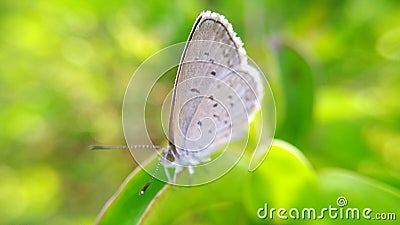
(178, 170)
(167, 173)
(191, 170)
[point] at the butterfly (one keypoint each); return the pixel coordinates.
(215, 95)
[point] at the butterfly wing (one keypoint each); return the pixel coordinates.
(216, 91)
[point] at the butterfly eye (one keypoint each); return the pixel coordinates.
(170, 157)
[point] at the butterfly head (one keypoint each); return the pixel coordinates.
(169, 155)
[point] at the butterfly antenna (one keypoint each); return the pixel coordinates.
(141, 192)
(108, 147)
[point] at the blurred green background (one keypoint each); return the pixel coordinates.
(65, 66)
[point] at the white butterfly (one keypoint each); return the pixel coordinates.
(216, 93)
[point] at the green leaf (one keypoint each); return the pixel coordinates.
(283, 178)
(127, 206)
(294, 110)
(359, 192)
(346, 191)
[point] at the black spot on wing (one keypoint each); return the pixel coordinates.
(195, 90)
